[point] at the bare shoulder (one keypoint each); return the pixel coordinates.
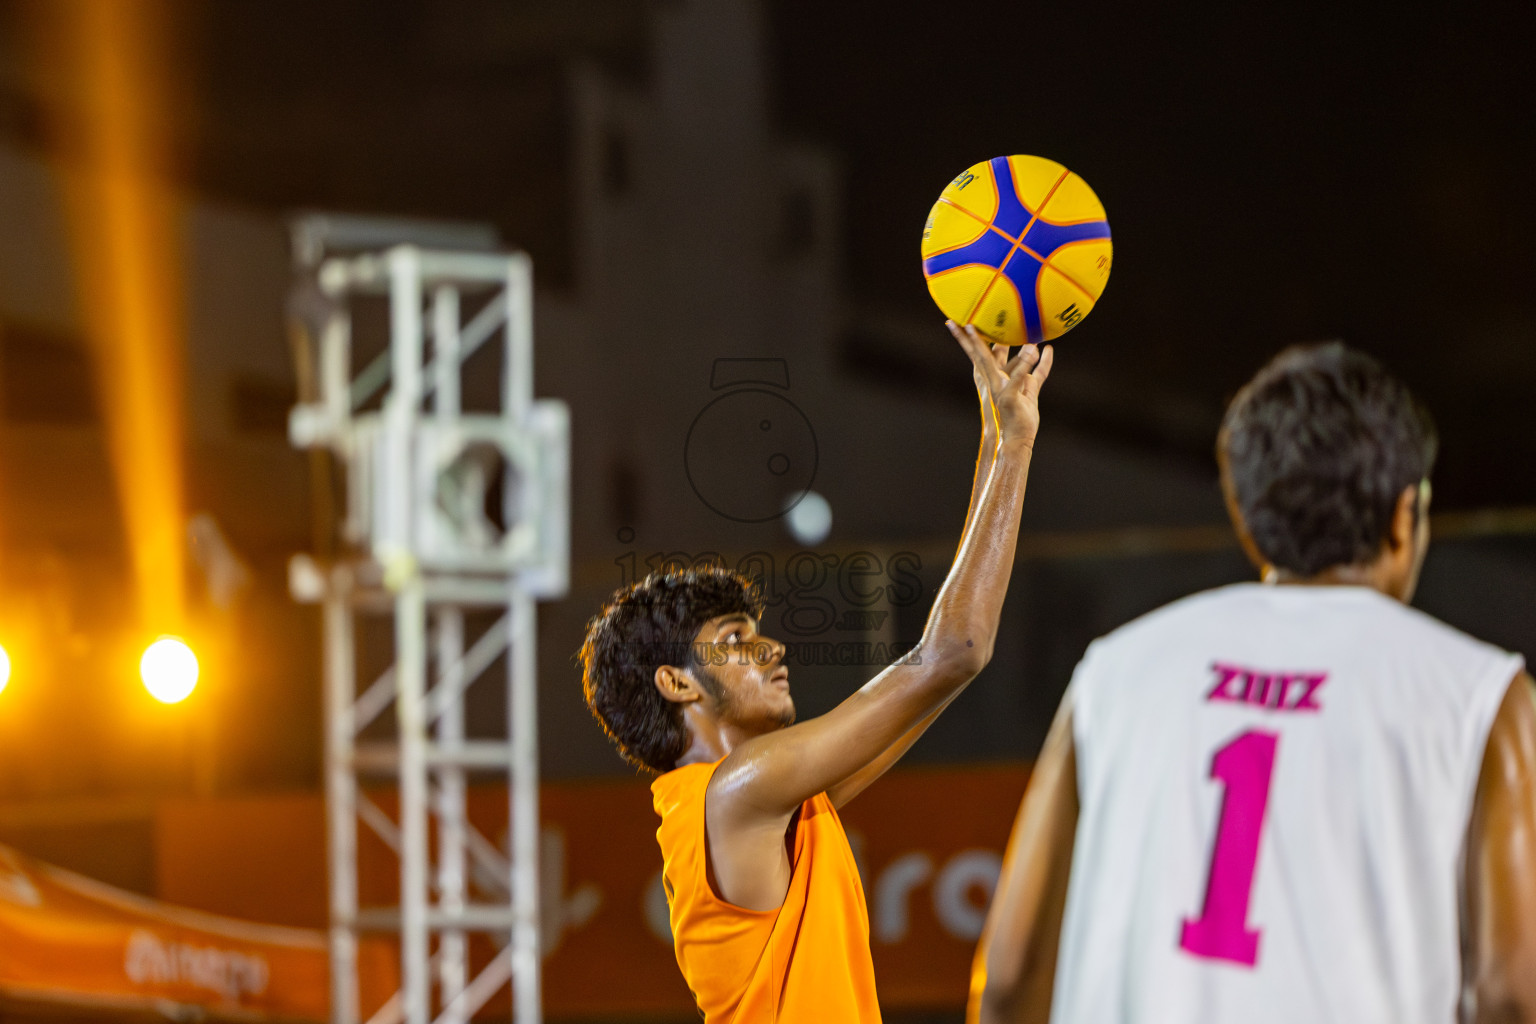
(1514, 727)
(733, 790)
(1507, 781)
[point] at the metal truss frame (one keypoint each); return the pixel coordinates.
(416, 557)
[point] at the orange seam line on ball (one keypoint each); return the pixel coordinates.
(1063, 223)
(1039, 281)
(1020, 300)
(996, 200)
(985, 223)
(981, 297)
(1070, 223)
(957, 245)
(1020, 243)
(1069, 277)
(1017, 243)
(1039, 311)
(988, 289)
(963, 266)
(997, 192)
(1035, 216)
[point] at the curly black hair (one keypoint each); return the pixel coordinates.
(1319, 446)
(644, 626)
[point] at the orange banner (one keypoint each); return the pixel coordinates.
(66, 939)
(929, 842)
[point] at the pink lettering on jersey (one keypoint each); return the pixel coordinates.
(1226, 675)
(1308, 701)
(1283, 689)
(1273, 691)
(1263, 683)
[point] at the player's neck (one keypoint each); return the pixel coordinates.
(710, 738)
(1378, 575)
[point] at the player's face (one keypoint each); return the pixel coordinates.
(743, 673)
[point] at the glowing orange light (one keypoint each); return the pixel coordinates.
(124, 223)
(5, 668)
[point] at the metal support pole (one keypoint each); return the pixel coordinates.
(335, 371)
(401, 410)
(453, 951)
(451, 798)
(517, 374)
(341, 799)
(522, 727)
(410, 705)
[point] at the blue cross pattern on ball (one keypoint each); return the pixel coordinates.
(1018, 242)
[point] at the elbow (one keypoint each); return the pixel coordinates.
(958, 644)
(973, 652)
(956, 663)
(973, 663)
(957, 654)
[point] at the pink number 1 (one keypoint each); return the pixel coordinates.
(1221, 932)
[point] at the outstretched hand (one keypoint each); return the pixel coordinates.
(1010, 386)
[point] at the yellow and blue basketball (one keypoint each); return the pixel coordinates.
(1018, 246)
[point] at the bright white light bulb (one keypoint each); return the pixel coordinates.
(5, 667)
(810, 519)
(169, 670)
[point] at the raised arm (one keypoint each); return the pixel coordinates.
(855, 784)
(1015, 965)
(1499, 895)
(986, 455)
(764, 780)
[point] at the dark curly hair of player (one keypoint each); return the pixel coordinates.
(644, 626)
(1319, 446)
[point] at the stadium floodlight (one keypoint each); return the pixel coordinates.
(169, 670)
(5, 667)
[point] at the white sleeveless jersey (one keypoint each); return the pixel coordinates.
(1275, 784)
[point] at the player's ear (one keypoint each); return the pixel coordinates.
(676, 685)
(1405, 518)
(1234, 513)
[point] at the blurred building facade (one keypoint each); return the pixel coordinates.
(691, 313)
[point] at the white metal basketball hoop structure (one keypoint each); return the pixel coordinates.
(420, 541)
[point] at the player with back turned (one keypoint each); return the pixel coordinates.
(1299, 800)
(767, 912)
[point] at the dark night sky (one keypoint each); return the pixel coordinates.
(1271, 176)
(1272, 173)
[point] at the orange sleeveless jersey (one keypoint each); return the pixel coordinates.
(807, 962)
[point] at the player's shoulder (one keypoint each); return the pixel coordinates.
(682, 787)
(1192, 611)
(1359, 610)
(1412, 634)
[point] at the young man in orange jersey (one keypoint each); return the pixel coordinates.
(768, 916)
